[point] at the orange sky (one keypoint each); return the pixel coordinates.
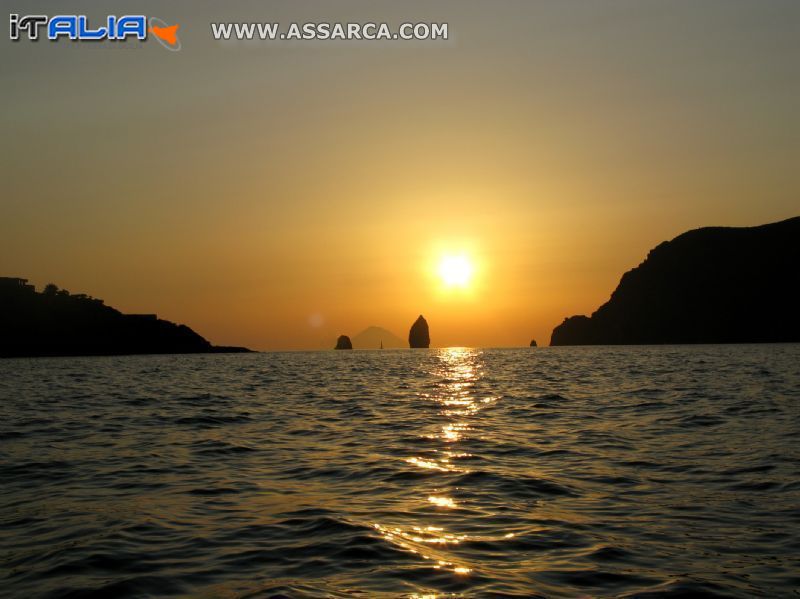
(254, 191)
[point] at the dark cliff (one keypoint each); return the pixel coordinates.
(710, 285)
(419, 335)
(57, 323)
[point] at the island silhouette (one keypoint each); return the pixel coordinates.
(709, 285)
(375, 337)
(55, 322)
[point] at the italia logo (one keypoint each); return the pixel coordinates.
(78, 28)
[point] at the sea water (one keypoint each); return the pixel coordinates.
(448, 472)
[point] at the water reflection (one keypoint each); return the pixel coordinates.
(442, 501)
(430, 464)
(457, 405)
(602, 472)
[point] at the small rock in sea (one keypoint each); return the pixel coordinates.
(343, 342)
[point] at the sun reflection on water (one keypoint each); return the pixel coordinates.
(458, 372)
(430, 464)
(442, 501)
(456, 394)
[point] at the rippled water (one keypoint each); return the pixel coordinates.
(456, 472)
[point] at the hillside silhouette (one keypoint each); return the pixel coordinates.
(372, 338)
(710, 285)
(57, 323)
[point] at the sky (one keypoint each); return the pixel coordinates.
(278, 194)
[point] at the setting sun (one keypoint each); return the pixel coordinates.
(455, 271)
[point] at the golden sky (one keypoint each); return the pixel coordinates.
(277, 195)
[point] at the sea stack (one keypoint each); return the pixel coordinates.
(343, 342)
(533, 342)
(419, 335)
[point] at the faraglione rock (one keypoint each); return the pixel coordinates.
(419, 335)
(343, 342)
(533, 342)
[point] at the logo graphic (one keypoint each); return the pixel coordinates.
(167, 35)
(78, 28)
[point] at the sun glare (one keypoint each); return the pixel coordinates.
(455, 271)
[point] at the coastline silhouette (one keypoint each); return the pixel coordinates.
(55, 322)
(709, 285)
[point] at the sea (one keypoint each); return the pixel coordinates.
(664, 471)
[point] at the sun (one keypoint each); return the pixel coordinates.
(455, 271)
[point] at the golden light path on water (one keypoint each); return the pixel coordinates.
(457, 372)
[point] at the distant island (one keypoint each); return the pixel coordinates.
(58, 323)
(374, 337)
(710, 285)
